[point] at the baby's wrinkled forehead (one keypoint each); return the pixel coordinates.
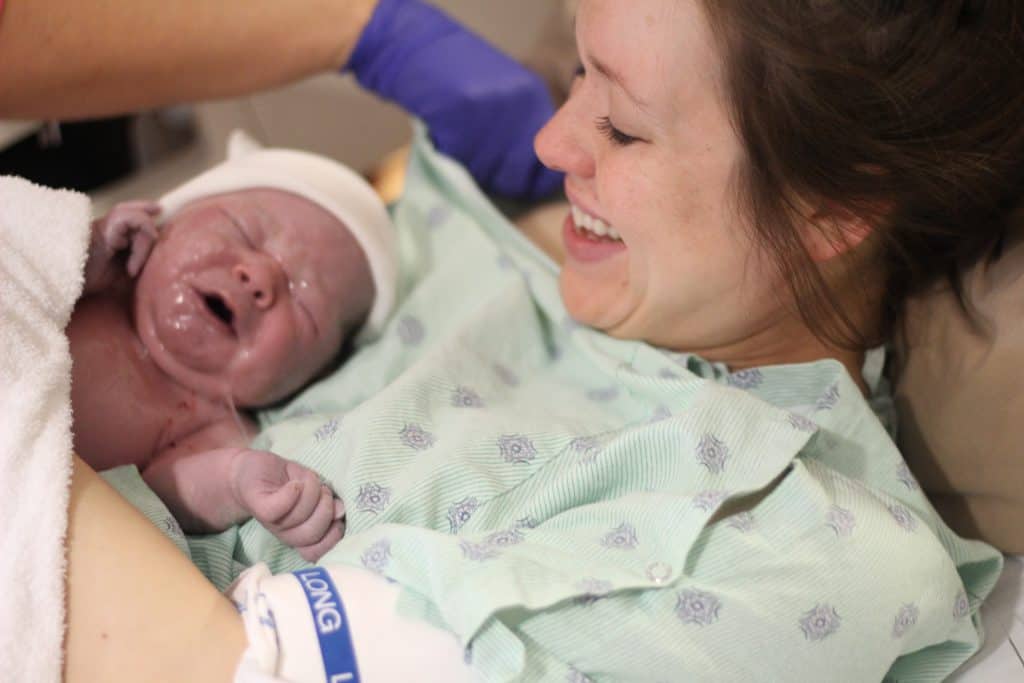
(268, 213)
(257, 198)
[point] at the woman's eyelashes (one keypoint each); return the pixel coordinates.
(604, 123)
(616, 136)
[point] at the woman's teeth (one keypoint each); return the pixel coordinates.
(595, 227)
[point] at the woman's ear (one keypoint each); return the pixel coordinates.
(833, 232)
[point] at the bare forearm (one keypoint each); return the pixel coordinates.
(70, 59)
(138, 610)
(197, 488)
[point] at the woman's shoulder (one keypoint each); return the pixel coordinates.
(850, 465)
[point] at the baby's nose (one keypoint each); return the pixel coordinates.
(258, 280)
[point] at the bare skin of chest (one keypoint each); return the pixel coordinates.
(118, 389)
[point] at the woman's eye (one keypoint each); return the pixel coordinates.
(604, 124)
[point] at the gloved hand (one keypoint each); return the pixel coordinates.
(482, 107)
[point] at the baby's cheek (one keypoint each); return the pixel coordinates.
(272, 366)
(182, 243)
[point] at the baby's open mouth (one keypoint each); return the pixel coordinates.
(220, 309)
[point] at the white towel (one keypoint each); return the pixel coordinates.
(43, 241)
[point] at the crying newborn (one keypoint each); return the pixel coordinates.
(231, 293)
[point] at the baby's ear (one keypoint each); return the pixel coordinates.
(241, 144)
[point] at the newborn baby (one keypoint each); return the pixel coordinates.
(233, 291)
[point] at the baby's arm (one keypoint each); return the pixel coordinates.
(211, 481)
(130, 229)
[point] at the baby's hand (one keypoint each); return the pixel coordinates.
(129, 227)
(290, 501)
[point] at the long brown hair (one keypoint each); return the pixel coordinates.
(906, 114)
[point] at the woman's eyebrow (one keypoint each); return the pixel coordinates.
(611, 74)
(617, 78)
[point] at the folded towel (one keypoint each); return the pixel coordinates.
(43, 241)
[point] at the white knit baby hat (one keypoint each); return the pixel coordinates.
(329, 184)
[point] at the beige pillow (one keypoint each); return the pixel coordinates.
(960, 398)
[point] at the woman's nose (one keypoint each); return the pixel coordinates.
(561, 143)
(258, 279)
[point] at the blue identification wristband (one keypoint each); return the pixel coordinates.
(331, 625)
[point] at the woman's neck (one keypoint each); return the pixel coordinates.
(783, 343)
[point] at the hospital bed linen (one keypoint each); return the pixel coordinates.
(566, 503)
(43, 239)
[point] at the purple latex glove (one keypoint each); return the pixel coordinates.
(482, 107)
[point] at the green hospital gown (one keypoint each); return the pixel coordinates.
(576, 507)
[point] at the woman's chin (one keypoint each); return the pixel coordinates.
(585, 301)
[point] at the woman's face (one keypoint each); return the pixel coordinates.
(246, 295)
(648, 150)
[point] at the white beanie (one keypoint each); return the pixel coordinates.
(334, 187)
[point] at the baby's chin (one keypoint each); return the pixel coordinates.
(206, 384)
(238, 381)
(254, 390)
(219, 386)
(191, 370)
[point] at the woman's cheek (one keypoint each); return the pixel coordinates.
(623, 182)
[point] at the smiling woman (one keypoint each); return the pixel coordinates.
(765, 201)
(648, 148)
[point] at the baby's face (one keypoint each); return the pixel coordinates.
(247, 295)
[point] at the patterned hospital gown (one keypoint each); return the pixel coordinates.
(579, 508)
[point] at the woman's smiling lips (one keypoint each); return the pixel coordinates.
(588, 239)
